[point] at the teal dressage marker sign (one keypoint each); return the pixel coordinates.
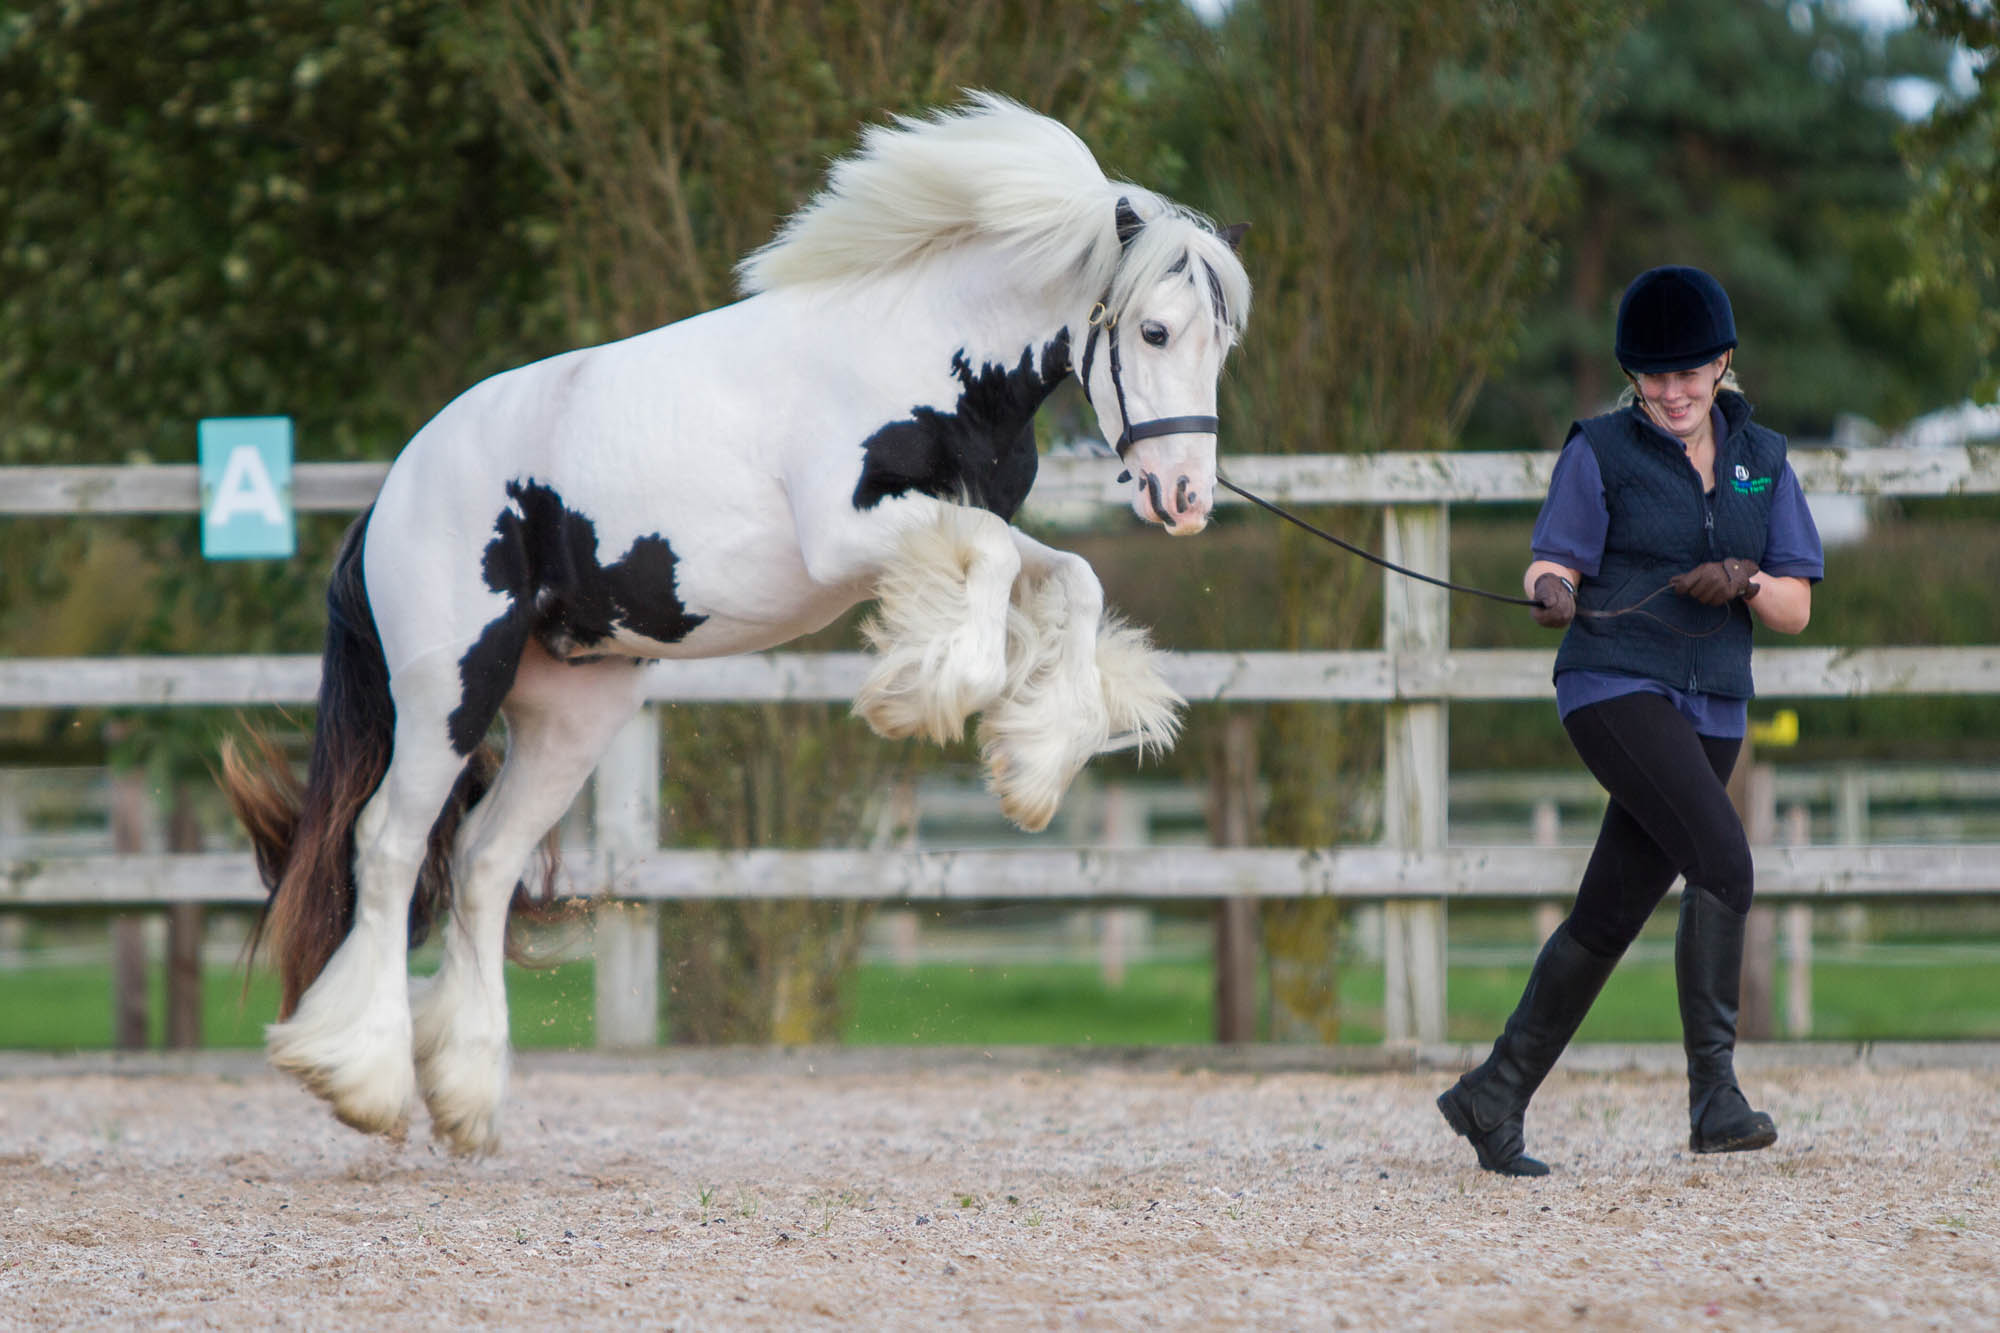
(246, 487)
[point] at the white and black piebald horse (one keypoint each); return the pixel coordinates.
(860, 425)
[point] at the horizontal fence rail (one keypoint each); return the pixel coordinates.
(1363, 479)
(1497, 674)
(1369, 873)
(1825, 784)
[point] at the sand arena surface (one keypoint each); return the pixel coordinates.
(908, 1190)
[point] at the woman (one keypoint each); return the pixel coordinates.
(1677, 501)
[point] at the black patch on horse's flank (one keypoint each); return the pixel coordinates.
(983, 449)
(543, 556)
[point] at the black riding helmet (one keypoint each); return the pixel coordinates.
(1673, 318)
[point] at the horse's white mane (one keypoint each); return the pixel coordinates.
(993, 169)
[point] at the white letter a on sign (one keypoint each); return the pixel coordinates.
(245, 488)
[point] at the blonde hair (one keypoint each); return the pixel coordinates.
(1630, 394)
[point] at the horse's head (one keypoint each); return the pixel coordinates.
(1152, 357)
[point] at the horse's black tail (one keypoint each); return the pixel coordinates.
(303, 837)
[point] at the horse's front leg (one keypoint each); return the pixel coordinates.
(940, 628)
(1077, 683)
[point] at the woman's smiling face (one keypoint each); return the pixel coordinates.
(1680, 400)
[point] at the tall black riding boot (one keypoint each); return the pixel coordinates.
(1487, 1105)
(1708, 965)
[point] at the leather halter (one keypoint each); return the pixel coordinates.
(1103, 321)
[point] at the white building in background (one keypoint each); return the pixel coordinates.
(1951, 428)
(1843, 519)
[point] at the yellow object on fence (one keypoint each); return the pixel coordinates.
(1782, 729)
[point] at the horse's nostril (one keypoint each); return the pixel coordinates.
(1181, 495)
(1153, 494)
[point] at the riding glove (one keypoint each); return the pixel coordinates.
(1718, 582)
(1555, 601)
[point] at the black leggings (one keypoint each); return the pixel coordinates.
(1669, 815)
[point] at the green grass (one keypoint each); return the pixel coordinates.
(1044, 1003)
(69, 1007)
(1166, 1003)
(1161, 1003)
(1887, 1003)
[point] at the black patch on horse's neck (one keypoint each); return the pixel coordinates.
(543, 558)
(983, 449)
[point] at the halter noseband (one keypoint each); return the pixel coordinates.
(1101, 319)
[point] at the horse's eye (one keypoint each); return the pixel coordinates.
(1154, 332)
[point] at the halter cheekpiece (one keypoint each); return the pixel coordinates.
(1103, 321)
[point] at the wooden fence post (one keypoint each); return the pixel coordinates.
(1798, 937)
(1233, 821)
(1121, 929)
(186, 925)
(626, 800)
(13, 826)
(1850, 829)
(1548, 833)
(1416, 622)
(133, 829)
(1752, 789)
(1850, 806)
(896, 830)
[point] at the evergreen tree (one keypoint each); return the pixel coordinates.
(1956, 156)
(1754, 140)
(1402, 167)
(234, 209)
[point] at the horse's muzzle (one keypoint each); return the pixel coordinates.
(1181, 508)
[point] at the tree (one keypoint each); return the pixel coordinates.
(217, 209)
(1402, 166)
(1754, 140)
(1955, 217)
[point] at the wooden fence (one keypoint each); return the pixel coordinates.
(1415, 675)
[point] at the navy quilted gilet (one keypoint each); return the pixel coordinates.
(1661, 525)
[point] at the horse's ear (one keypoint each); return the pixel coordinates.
(1233, 233)
(1128, 222)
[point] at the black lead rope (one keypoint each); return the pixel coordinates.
(1103, 322)
(1369, 556)
(1372, 558)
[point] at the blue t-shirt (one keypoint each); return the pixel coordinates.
(1570, 531)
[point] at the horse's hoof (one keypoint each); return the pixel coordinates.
(463, 1095)
(359, 1064)
(474, 1136)
(898, 714)
(1029, 817)
(907, 694)
(1029, 778)
(370, 1120)
(372, 1105)
(462, 1059)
